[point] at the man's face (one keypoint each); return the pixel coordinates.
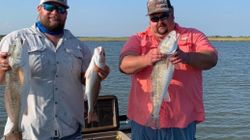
(161, 23)
(53, 16)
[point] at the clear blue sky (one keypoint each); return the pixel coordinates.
(117, 18)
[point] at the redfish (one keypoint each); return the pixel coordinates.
(161, 76)
(16, 84)
(93, 81)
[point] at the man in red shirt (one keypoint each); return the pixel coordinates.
(179, 116)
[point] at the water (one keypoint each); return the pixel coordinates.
(226, 91)
(226, 94)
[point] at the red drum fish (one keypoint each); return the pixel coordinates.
(93, 81)
(16, 85)
(161, 76)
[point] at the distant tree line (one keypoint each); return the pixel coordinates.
(228, 36)
(217, 36)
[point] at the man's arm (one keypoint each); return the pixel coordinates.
(2, 76)
(130, 64)
(203, 60)
(204, 57)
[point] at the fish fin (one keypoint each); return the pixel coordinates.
(167, 97)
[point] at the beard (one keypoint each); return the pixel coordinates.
(163, 28)
(160, 31)
(53, 24)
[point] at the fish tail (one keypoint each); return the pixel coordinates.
(153, 122)
(92, 117)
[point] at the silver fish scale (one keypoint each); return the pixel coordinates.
(161, 76)
(93, 81)
(14, 79)
(12, 96)
(159, 72)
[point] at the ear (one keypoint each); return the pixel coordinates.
(171, 12)
(39, 8)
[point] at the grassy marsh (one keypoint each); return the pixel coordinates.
(211, 38)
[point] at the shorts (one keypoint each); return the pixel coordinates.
(139, 132)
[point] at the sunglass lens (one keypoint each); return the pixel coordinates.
(154, 19)
(51, 7)
(157, 18)
(61, 9)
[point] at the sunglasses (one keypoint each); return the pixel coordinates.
(162, 17)
(51, 7)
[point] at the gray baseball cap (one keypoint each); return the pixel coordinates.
(61, 2)
(158, 6)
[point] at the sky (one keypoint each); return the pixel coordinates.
(122, 18)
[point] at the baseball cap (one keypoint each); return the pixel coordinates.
(158, 6)
(61, 2)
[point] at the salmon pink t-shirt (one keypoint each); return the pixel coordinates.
(185, 89)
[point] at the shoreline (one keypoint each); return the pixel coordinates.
(210, 38)
(113, 39)
(228, 39)
(219, 39)
(99, 39)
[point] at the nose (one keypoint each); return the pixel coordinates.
(55, 11)
(160, 21)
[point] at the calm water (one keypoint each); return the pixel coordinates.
(226, 91)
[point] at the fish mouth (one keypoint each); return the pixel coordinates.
(169, 45)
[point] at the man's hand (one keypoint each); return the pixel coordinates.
(180, 56)
(200, 60)
(153, 56)
(103, 73)
(4, 64)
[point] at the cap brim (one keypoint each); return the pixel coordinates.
(158, 11)
(66, 6)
